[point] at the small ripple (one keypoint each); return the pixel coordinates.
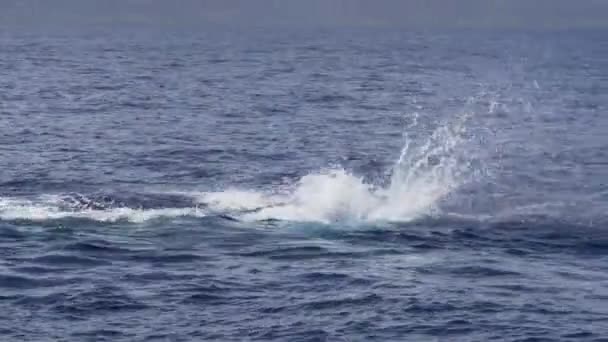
(579, 335)
(67, 260)
(94, 247)
(286, 251)
(42, 300)
(205, 298)
(11, 234)
(429, 245)
(323, 276)
(99, 335)
(333, 278)
(296, 333)
(303, 253)
(14, 281)
(370, 299)
(168, 258)
(330, 98)
(481, 271)
(426, 307)
(97, 302)
(214, 295)
(517, 251)
(594, 246)
(147, 277)
(515, 288)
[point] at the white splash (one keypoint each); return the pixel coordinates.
(53, 208)
(424, 174)
(325, 197)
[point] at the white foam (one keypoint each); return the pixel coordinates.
(235, 199)
(45, 209)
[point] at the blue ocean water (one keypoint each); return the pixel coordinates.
(300, 185)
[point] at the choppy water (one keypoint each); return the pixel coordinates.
(304, 186)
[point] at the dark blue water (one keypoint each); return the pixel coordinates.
(304, 186)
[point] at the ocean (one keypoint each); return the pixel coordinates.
(304, 185)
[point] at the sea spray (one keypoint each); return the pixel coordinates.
(427, 170)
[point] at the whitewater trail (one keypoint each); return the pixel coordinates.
(47, 207)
